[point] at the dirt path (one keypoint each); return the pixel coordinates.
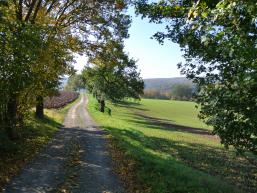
(76, 160)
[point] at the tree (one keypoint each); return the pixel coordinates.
(157, 94)
(182, 91)
(219, 43)
(19, 53)
(111, 75)
(38, 41)
(75, 83)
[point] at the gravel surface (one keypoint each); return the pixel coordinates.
(76, 160)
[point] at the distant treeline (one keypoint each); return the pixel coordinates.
(156, 94)
(180, 91)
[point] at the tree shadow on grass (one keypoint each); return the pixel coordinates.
(32, 129)
(50, 121)
(15, 153)
(184, 162)
(131, 105)
(37, 127)
(165, 124)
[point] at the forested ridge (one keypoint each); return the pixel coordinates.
(164, 83)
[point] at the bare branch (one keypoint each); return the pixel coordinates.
(51, 7)
(19, 14)
(30, 10)
(36, 11)
(65, 7)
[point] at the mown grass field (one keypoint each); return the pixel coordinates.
(14, 154)
(160, 157)
(175, 112)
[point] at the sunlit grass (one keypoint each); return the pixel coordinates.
(171, 160)
(177, 112)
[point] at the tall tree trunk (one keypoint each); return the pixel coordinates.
(11, 117)
(40, 107)
(102, 105)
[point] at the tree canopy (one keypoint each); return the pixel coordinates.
(219, 41)
(75, 83)
(38, 41)
(182, 91)
(112, 75)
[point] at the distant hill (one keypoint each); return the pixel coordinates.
(162, 84)
(165, 84)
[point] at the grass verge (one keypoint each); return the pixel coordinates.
(59, 114)
(154, 158)
(34, 136)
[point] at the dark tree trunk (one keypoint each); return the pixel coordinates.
(102, 105)
(11, 118)
(40, 107)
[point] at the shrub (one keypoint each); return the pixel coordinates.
(60, 100)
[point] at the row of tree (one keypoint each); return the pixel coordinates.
(109, 75)
(177, 92)
(156, 94)
(88, 79)
(112, 75)
(218, 38)
(38, 41)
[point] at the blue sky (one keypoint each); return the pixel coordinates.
(154, 60)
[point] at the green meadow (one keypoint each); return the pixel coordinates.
(173, 150)
(176, 112)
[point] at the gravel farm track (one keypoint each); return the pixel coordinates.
(75, 160)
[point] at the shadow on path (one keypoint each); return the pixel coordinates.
(48, 171)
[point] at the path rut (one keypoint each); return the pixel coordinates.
(50, 170)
